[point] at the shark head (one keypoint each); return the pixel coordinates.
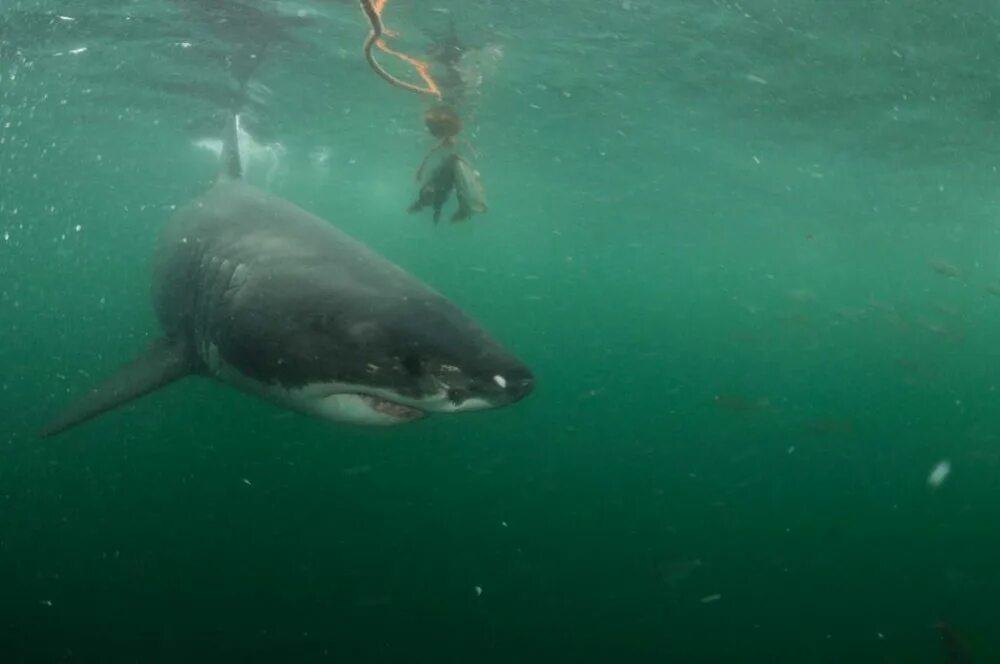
(348, 355)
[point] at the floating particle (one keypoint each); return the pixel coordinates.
(708, 599)
(503, 523)
(945, 269)
(479, 590)
(247, 482)
(939, 474)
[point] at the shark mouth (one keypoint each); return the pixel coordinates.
(391, 408)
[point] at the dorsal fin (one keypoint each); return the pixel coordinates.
(232, 160)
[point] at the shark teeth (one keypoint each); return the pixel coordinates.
(390, 408)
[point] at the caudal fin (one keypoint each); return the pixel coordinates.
(163, 363)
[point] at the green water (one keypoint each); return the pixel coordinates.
(713, 233)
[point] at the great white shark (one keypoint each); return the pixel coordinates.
(255, 292)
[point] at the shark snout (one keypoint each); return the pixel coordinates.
(511, 385)
(491, 389)
(518, 385)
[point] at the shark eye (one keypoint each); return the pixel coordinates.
(413, 365)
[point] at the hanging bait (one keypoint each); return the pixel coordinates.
(438, 187)
(469, 190)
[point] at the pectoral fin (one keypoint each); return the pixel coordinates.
(163, 363)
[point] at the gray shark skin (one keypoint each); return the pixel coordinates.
(255, 292)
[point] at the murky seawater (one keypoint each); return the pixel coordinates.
(749, 249)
